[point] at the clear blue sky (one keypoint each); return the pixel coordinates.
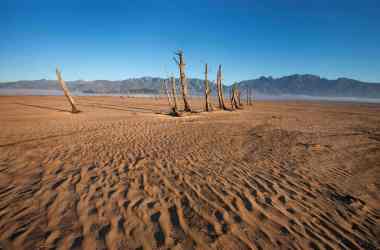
(122, 39)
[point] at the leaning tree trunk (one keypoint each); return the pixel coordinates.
(67, 92)
(181, 65)
(208, 105)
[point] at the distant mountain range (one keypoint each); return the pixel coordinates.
(308, 85)
(312, 85)
(143, 85)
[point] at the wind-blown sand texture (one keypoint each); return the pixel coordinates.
(276, 175)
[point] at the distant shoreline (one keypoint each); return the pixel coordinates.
(283, 97)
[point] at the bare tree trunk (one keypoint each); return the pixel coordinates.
(174, 94)
(232, 98)
(234, 103)
(250, 96)
(66, 92)
(181, 65)
(208, 105)
(247, 95)
(173, 110)
(238, 96)
(161, 93)
(220, 88)
(165, 87)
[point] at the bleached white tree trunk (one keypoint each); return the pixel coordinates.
(67, 92)
(182, 78)
(208, 104)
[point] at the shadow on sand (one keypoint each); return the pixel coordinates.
(43, 107)
(121, 108)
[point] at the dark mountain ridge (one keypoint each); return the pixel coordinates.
(310, 85)
(313, 85)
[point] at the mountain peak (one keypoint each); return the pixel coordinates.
(303, 76)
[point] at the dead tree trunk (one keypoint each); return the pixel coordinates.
(165, 87)
(181, 66)
(250, 96)
(67, 92)
(235, 97)
(161, 93)
(238, 96)
(171, 100)
(208, 105)
(232, 98)
(174, 94)
(247, 95)
(220, 88)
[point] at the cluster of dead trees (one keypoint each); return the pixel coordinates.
(170, 88)
(235, 95)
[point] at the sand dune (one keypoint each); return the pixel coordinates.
(120, 175)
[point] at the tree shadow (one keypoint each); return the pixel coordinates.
(42, 107)
(50, 137)
(121, 108)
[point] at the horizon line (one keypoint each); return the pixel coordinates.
(262, 76)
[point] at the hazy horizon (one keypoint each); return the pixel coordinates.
(257, 96)
(189, 77)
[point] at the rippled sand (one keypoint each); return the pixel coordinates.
(120, 175)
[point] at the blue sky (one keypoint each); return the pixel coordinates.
(122, 39)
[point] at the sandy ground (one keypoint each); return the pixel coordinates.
(119, 175)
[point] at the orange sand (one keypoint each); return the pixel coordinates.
(119, 175)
